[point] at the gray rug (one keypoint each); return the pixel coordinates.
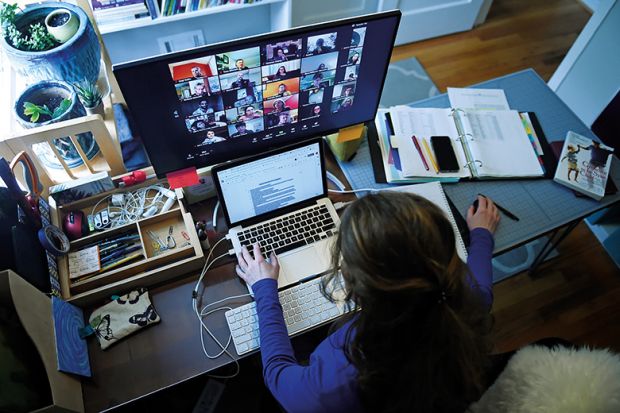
(408, 82)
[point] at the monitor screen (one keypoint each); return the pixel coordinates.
(228, 100)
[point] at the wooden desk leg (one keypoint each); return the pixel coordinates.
(554, 240)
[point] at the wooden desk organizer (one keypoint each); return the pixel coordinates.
(153, 268)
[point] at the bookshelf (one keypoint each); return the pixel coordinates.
(195, 28)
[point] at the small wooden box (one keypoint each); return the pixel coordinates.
(153, 268)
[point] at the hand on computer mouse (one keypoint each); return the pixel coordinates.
(255, 269)
(483, 214)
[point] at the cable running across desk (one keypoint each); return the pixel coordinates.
(204, 313)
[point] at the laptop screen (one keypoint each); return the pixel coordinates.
(256, 187)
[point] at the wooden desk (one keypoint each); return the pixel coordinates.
(170, 352)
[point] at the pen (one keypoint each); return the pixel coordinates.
(417, 146)
(430, 155)
(120, 253)
(504, 210)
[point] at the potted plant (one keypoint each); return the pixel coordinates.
(49, 102)
(90, 96)
(62, 24)
(37, 55)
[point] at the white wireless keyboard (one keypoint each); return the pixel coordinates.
(303, 307)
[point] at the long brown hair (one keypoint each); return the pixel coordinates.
(420, 341)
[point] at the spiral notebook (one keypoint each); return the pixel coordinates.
(433, 191)
(487, 143)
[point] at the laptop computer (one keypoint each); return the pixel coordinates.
(279, 199)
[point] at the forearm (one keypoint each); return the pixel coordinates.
(285, 378)
(480, 264)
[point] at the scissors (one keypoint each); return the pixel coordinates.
(30, 176)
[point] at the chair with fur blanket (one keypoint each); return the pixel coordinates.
(558, 379)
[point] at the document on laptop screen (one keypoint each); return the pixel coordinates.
(270, 183)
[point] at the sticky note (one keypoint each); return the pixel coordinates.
(350, 133)
(183, 177)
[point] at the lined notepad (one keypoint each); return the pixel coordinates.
(433, 191)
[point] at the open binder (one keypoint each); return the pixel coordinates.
(488, 144)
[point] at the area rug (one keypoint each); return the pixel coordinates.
(406, 83)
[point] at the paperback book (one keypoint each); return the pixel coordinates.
(584, 165)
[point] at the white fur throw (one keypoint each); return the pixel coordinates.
(542, 380)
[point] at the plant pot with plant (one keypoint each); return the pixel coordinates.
(62, 24)
(49, 102)
(36, 54)
(90, 96)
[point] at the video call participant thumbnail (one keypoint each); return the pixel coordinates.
(282, 51)
(214, 137)
(342, 104)
(318, 80)
(248, 113)
(320, 63)
(351, 72)
(313, 96)
(238, 60)
(193, 69)
(311, 111)
(344, 90)
(279, 119)
(355, 56)
(242, 97)
(357, 37)
(281, 104)
(280, 89)
(323, 43)
(281, 71)
(245, 128)
(203, 106)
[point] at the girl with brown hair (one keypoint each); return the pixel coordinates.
(419, 341)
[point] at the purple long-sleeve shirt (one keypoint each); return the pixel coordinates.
(329, 382)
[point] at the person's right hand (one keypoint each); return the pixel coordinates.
(486, 216)
(255, 269)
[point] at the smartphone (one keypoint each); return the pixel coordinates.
(444, 153)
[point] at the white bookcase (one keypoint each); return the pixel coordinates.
(147, 37)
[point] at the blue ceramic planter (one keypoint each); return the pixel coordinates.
(73, 61)
(39, 94)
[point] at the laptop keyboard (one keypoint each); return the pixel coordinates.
(290, 232)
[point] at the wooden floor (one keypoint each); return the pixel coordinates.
(577, 295)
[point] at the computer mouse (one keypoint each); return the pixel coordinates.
(475, 205)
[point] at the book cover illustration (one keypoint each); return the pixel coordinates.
(584, 165)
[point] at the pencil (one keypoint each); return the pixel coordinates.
(430, 155)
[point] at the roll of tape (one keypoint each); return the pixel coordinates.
(54, 240)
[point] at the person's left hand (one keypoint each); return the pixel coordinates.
(254, 269)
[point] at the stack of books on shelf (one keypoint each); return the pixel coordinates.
(478, 138)
(172, 7)
(108, 12)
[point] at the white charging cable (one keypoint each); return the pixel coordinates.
(205, 311)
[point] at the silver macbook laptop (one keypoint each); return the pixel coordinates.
(279, 199)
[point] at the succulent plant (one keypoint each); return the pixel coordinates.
(88, 93)
(35, 111)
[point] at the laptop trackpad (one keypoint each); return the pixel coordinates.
(298, 265)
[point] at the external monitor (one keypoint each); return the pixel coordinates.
(211, 104)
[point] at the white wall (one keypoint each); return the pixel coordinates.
(306, 12)
(589, 76)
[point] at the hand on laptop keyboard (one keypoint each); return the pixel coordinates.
(256, 267)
